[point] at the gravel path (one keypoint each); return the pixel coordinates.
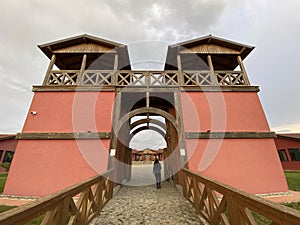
(138, 204)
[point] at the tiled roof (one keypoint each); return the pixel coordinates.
(7, 136)
(289, 135)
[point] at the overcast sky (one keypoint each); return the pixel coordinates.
(270, 25)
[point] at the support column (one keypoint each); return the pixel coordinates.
(147, 99)
(82, 68)
(114, 75)
(212, 71)
(114, 133)
(51, 64)
(180, 72)
(241, 64)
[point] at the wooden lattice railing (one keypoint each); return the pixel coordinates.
(78, 204)
(230, 78)
(62, 77)
(221, 204)
(146, 78)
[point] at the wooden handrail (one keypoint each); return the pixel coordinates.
(78, 204)
(218, 203)
(129, 77)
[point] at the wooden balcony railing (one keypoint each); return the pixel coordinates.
(221, 204)
(78, 204)
(146, 78)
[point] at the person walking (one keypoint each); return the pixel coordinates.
(157, 172)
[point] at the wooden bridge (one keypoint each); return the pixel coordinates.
(214, 202)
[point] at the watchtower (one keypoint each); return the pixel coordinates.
(81, 122)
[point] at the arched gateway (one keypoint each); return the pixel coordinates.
(80, 120)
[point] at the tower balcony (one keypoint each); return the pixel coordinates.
(146, 78)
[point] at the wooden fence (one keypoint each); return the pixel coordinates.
(221, 204)
(78, 204)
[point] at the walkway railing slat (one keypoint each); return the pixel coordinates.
(78, 204)
(217, 202)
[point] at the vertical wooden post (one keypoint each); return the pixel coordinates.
(114, 75)
(180, 72)
(82, 68)
(63, 212)
(51, 64)
(184, 184)
(147, 99)
(241, 64)
(147, 78)
(114, 136)
(233, 210)
(212, 71)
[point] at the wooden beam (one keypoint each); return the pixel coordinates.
(144, 89)
(180, 74)
(51, 64)
(221, 89)
(211, 68)
(116, 64)
(63, 136)
(66, 88)
(82, 68)
(241, 64)
(229, 135)
(147, 99)
(95, 88)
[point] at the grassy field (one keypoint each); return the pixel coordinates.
(293, 180)
(2, 181)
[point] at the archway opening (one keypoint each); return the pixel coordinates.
(143, 115)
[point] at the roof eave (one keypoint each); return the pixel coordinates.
(48, 48)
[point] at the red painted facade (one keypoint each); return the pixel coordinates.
(223, 111)
(288, 143)
(238, 162)
(70, 112)
(57, 164)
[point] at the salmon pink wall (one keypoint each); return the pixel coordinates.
(223, 111)
(42, 167)
(248, 164)
(251, 165)
(70, 112)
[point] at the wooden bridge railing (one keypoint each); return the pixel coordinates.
(221, 204)
(78, 204)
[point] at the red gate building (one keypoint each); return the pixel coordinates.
(79, 121)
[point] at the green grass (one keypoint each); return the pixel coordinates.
(294, 205)
(4, 208)
(2, 181)
(293, 180)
